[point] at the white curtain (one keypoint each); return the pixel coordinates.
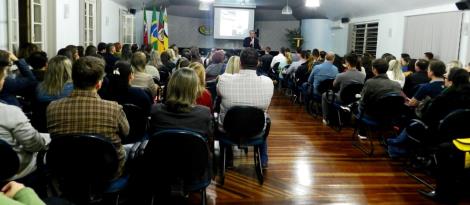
(438, 33)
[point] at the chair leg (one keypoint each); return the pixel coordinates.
(258, 165)
(357, 144)
(222, 164)
(203, 196)
(340, 123)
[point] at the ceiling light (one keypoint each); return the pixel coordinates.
(312, 3)
(207, 1)
(286, 10)
(203, 6)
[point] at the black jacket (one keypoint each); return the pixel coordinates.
(247, 41)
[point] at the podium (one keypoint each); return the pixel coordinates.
(298, 40)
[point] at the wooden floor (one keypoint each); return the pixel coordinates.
(310, 163)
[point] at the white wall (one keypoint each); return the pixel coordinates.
(3, 25)
(67, 23)
(317, 34)
(110, 21)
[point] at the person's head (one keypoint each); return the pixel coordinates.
(330, 56)
(110, 49)
(412, 65)
(155, 59)
(282, 50)
(195, 55)
(176, 49)
(379, 67)
(201, 74)
(126, 52)
(315, 53)
(388, 57)
(172, 54)
(91, 50)
(182, 90)
(405, 59)
(252, 34)
(165, 57)
(457, 78)
(186, 53)
(26, 49)
(454, 64)
(118, 46)
(249, 58)
(74, 51)
(323, 55)
(81, 51)
(233, 65)
(101, 47)
(304, 55)
(38, 60)
(429, 56)
(421, 65)
(4, 65)
(66, 52)
(139, 60)
(218, 57)
(183, 63)
(58, 73)
(134, 48)
(88, 73)
(351, 61)
(126, 73)
(267, 50)
(437, 69)
(395, 67)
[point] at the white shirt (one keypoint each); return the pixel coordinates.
(244, 88)
(391, 76)
(280, 58)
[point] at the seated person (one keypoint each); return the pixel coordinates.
(84, 112)
(110, 58)
(323, 71)
(204, 97)
(217, 67)
(16, 130)
(351, 75)
(379, 85)
(15, 193)
(38, 61)
(57, 80)
(436, 72)
(21, 84)
(395, 72)
(142, 79)
(248, 89)
(417, 78)
(180, 110)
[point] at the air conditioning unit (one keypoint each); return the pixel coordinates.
(338, 25)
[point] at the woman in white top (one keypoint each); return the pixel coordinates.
(395, 73)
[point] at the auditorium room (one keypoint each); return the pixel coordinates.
(234, 102)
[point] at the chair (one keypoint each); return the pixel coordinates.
(84, 166)
(9, 160)
(378, 117)
(243, 126)
(38, 118)
(212, 87)
(176, 162)
(138, 123)
(315, 103)
(347, 97)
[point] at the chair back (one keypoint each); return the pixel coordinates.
(325, 85)
(212, 87)
(455, 124)
(172, 156)
(244, 122)
(38, 118)
(82, 159)
(138, 121)
(349, 92)
(386, 108)
(9, 160)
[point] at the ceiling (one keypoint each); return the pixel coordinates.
(271, 9)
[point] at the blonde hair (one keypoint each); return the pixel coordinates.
(138, 61)
(395, 67)
(182, 90)
(233, 65)
(201, 73)
(155, 59)
(172, 54)
(59, 72)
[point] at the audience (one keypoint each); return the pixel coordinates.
(266, 60)
(91, 51)
(295, 65)
(84, 112)
(57, 82)
(74, 51)
(66, 52)
(38, 61)
(436, 72)
(152, 70)
(217, 67)
(233, 65)
(142, 79)
(280, 58)
(245, 88)
(204, 96)
(395, 72)
(323, 72)
(109, 58)
(419, 77)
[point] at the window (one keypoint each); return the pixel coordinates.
(364, 38)
(37, 23)
(127, 26)
(13, 33)
(89, 35)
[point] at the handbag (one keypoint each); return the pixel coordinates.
(463, 144)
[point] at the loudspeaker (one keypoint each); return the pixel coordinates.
(132, 11)
(463, 5)
(345, 20)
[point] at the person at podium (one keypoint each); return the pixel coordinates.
(251, 41)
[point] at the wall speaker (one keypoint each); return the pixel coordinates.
(463, 5)
(345, 20)
(132, 11)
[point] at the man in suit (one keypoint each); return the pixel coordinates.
(252, 41)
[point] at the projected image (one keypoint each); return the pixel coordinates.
(234, 22)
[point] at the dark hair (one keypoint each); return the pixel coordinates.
(37, 60)
(90, 50)
(125, 69)
(316, 53)
(352, 59)
(126, 52)
(4, 61)
(186, 53)
(66, 52)
(139, 60)
(422, 64)
(165, 57)
(283, 50)
(411, 65)
(438, 68)
(380, 65)
(109, 47)
(26, 49)
(134, 48)
(323, 54)
(429, 55)
(268, 48)
(388, 57)
(459, 77)
(72, 48)
(405, 56)
(249, 58)
(218, 57)
(182, 62)
(195, 54)
(304, 54)
(81, 51)
(101, 47)
(87, 72)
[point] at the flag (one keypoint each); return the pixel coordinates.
(146, 32)
(165, 21)
(161, 32)
(154, 30)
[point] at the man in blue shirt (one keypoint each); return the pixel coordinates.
(436, 72)
(323, 72)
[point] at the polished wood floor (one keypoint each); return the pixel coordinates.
(310, 163)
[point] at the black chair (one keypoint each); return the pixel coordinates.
(212, 87)
(347, 97)
(378, 117)
(84, 167)
(243, 126)
(314, 104)
(38, 118)
(138, 123)
(10, 161)
(174, 163)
